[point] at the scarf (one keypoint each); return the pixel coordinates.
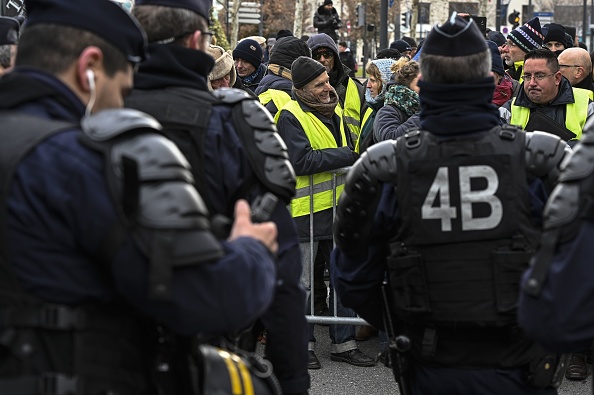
(252, 77)
(453, 109)
(279, 70)
(326, 109)
(503, 91)
(403, 98)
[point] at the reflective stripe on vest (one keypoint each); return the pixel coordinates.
(575, 113)
(323, 184)
(368, 113)
(280, 98)
(352, 108)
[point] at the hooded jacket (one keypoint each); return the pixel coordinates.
(327, 22)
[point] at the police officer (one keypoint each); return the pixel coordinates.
(105, 241)
(232, 143)
(451, 213)
(557, 298)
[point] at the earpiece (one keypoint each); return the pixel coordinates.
(91, 79)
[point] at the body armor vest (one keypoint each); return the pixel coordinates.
(466, 234)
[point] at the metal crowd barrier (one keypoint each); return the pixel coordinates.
(334, 318)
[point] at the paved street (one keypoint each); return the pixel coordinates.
(341, 378)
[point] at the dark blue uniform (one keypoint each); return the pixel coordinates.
(226, 169)
(557, 299)
(59, 213)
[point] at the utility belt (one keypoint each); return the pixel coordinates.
(59, 350)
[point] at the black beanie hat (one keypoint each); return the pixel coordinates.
(528, 36)
(283, 33)
(555, 32)
(304, 70)
(250, 51)
(328, 2)
(9, 30)
(287, 49)
(456, 37)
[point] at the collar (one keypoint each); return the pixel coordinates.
(173, 65)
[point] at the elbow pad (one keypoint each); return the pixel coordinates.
(544, 155)
(151, 183)
(358, 202)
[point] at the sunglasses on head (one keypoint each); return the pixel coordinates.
(325, 54)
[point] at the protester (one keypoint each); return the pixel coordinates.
(347, 58)
(317, 144)
(9, 37)
(547, 101)
(575, 64)
(504, 85)
(223, 74)
(519, 42)
(248, 63)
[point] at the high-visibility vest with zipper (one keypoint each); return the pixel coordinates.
(576, 113)
(280, 98)
(323, 183)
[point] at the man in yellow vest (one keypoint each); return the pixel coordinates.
(318, 144)
(274, 91)
(547, 101)
(575, 65)
(351, 93)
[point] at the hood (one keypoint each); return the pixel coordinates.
(287, 49)
(324, 40)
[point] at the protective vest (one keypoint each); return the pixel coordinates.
(280, 98)
(185, 113)
(575, 113)
(368, 113)
(351, 107)
(465, 238)
(57, 349)
(326, 186)
(586, 91)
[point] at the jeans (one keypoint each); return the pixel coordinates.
(342, 336)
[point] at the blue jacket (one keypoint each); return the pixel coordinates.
(59, 212)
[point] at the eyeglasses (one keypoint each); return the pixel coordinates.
(570, 65)
(325, 54)
(537, 77)
(207, 36)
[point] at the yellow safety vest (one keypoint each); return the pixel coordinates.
(324, 183)
(366, 116)
(575, 113)
(352, 108)
(588, 92)
(280, 98)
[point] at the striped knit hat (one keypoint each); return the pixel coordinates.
(529, 36)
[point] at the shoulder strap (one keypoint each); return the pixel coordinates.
(20, 133)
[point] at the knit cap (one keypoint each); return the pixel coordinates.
(456, 37)
(287, 49)
(9, 30)
(554, 32)
(497, 37)
(384, 66)
(401, 46)
(250, 51)
(328, 2)
(304, 70)
(496, 62)
(223, 65)
(528, 36)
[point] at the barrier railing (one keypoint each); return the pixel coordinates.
(334, 318)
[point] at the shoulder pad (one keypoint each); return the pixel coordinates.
(108, 124)
(358, 202)
(562, 206)
(266, 150)
(232, 95)
(544, 154)
(580, 164)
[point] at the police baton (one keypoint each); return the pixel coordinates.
(398, 347)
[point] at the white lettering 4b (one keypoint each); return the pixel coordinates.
(446, 213)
